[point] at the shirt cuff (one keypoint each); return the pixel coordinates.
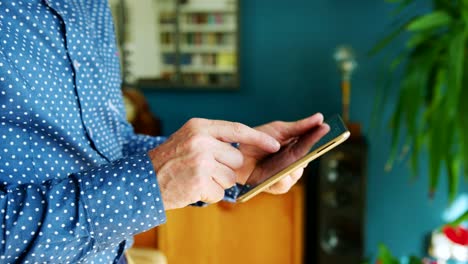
(122, 198)
(230, 195)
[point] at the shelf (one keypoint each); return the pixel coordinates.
(208, 8)
(185, 28)
(199, 49)
(198, 42)
(200, 69)
(165, 6)
(206, 49)
(168, 68)
(166, 10)
(167, 48)
(167, 28)
(164, 85)
(208, 69)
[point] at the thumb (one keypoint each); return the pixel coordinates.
(297, 128)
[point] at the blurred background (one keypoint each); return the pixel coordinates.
(275, 60)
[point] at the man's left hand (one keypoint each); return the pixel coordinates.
(283, 132)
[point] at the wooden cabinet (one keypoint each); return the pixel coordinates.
(266, 229)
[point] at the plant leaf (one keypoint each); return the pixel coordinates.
(417, 143)
(462, 120)
(385, 85)
(453, 173)
(464, 11)
(452, 161)
(397, 61)
(415, 83)
(463, 127)
(417, 39)
(414, 260)
(455, 74)
(437, 92)
(435, 146)
(396, 130)
(385, 256)
(403, 4)
(456, 78)
(383, 88)
(462, 218)
(386, 40)
(430, 21)
(412, 97)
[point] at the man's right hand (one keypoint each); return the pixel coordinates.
(197, 162)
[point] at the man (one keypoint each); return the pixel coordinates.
(76, 182)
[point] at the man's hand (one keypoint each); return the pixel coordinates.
(197, 163)
(283, 132)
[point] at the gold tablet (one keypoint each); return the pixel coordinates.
(296, 154)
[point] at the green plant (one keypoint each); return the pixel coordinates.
(458, 236)
(431, 113)
(385, 257)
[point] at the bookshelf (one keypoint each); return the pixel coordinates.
(199, 43)
(178, 43)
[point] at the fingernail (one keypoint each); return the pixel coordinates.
(320, 115)
(276, 144)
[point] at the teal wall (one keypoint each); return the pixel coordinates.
(288, 72)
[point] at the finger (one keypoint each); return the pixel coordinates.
(282, 186)
(240, 133)
(227, 155)
(286, 183)
(297, 128)
(296, 175)
(213, 193)
(223, 176)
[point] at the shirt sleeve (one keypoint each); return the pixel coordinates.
(138, 143)
(83, 213)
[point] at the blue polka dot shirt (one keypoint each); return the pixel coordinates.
(75, 181)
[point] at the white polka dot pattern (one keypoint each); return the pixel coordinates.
(75, 181)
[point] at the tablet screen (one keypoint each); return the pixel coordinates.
(295, 150)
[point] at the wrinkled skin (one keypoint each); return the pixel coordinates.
(197, 163)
